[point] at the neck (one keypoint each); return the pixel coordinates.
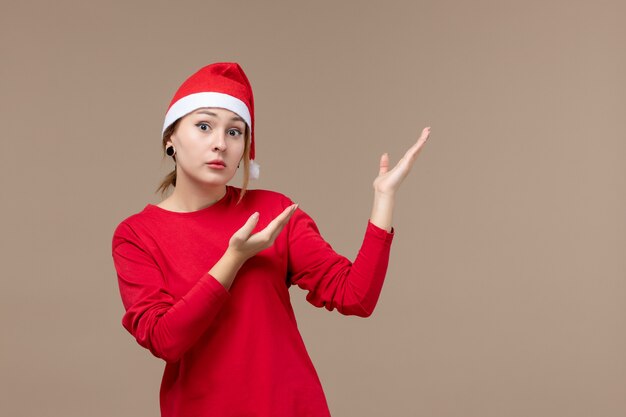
(190, 196)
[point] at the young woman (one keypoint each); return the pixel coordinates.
(204, 275)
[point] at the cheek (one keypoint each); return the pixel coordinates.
(194, 143)
(238, 148)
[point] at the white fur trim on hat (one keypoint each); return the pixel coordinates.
(195, 101)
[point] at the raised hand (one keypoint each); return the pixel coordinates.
(242, 245)
(245, 245)
(387, 182)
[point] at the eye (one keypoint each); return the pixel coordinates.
(234, 132)
(203, 126)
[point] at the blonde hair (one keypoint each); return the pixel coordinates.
(170, 179)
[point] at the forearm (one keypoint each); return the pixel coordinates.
(170, 335)
(169, 331)
(226, 268)
(199, 306)
(332, 280)
(382, 210)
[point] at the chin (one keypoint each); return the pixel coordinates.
(208, 178)
(216, 179)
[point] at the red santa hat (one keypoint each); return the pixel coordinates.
(224, 85)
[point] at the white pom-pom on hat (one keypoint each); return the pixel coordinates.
(254, 170)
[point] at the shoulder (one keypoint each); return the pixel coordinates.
(267, 197)
(275, 202)
(131, 227)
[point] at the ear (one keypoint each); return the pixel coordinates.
(170, 141)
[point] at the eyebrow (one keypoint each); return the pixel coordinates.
(236, 118)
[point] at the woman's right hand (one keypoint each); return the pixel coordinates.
(244, 245)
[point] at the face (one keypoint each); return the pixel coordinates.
(205, 135)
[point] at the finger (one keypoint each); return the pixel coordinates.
(422, 139)
(278, 223)
(414, 150)
(384, 164)
(245, 231)
(282, 219)
(411, 154)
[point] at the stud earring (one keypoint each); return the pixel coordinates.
(170, 150)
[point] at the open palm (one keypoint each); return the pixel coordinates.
(388, 181)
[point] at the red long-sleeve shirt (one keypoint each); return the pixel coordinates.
(237, 352)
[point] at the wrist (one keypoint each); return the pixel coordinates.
(234, 257)
(382, 210)
(384, 198)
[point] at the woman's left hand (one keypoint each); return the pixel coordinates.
(388, 181)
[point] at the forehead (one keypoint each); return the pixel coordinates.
(219, 112)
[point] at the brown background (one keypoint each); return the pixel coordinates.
(506, 291)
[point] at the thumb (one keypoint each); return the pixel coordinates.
(248, 227)
(384, 164)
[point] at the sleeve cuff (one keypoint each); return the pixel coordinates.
(380, 232)
(215, 287)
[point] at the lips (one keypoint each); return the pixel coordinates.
(216, 162)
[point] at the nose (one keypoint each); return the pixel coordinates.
(219, 141)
